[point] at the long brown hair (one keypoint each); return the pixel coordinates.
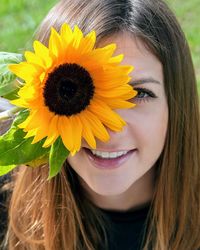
(56, 214)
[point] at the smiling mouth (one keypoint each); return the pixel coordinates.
(108, 155)
(102, 159)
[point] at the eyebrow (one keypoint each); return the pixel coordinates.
(143, 80)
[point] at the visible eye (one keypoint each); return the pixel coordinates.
(143, 95)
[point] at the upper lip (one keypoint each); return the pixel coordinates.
(110, 150)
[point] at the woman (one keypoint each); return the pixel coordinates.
(94, 203)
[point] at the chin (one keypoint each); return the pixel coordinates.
(106, 188)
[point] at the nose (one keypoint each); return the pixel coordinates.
(125, 115)
(116, 137)
(113, 133)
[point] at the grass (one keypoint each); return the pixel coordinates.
(187, 13)
(20, 18)
(18, 21)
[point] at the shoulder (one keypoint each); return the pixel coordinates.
(5, 182)
(4, 194)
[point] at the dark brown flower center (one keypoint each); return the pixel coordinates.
(68, 89)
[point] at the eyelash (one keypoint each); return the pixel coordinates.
(145, 91)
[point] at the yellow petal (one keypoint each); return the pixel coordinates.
(129, 95)
(66, 41)
(77, 131)
(27, 92)
(50, 140)
(104, 54)
(87, 43)
(127, 69)
(117, 103)
(106, 115)
(39, 135)
(65, 131)
(87, 131)
(30, 133)
(42, 76)
(66, 33)
(116, 92)
(55, 47)
(38, 119)
(34, 59)
(52, 132)
(77, 37)
(116, 59)
(41, 120)
(99, 58)
(25, 123)
(96, 125)
(42, 52)
(110, 80)
(40, 49)
(25, 70)
(20, 103)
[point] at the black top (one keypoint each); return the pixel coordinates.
(126, 229)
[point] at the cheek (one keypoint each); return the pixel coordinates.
(74, 162)
(79, 164)
(149, 128)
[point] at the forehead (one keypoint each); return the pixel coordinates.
(136, 53)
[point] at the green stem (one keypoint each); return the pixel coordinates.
(9, 113)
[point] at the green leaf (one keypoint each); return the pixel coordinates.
(8, 81)
(58, 155)
(9, 57)
(6, 169)
(12, 95)
(14, 149)
(39, 161)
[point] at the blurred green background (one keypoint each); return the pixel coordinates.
(20, 18)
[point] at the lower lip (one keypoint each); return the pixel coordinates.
(108, 163)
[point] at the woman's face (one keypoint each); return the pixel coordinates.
(144, 133)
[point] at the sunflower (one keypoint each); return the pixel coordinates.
(71, 89)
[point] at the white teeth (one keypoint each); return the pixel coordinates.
(107, 154)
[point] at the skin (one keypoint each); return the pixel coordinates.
(132, 184)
